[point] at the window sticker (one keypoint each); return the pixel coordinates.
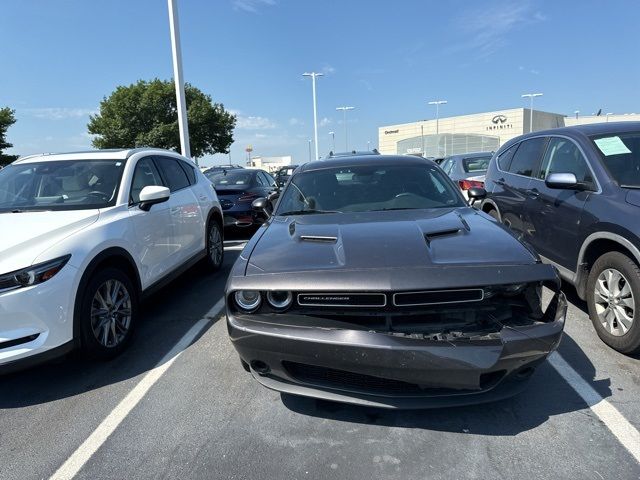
(611, 146)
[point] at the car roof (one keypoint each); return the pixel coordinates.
(590, 129)
(359, 160)
(469, 155)
(104, 154)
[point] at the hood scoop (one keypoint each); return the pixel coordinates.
(318, 238)
(429, 237)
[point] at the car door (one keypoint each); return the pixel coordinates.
(153, 228)
(516, 168)
(188, 225)
(556, 214)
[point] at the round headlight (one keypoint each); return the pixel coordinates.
(280, 300)
(248, 300)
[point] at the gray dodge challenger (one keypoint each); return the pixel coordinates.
(374, 283)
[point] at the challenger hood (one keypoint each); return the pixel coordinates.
(28, 234)
(391, 239)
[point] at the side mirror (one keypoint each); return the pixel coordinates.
(476, 193)
(563, 181)
(152, 195)
(259, 204)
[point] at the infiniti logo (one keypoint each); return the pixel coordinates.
(499, 119)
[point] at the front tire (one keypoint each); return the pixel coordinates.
(613, 296)
(108, 314)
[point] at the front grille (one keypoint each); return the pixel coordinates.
(435, 297)
(18, 341)
(342, 299)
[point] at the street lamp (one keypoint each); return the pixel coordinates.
(181, 103)
(313, 76)
(577, 113)
(607, 115)
(333, 141)
(531, 96)
(309, 149)
(346, 140)
(437, 103)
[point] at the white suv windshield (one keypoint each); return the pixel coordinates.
(60, 185)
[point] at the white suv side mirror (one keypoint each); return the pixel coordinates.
(152, 195)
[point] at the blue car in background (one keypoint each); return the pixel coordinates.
(237, 188)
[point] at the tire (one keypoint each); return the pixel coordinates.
(106, 335)
(613, 296)
(215, 247)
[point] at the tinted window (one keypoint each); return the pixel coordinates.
(190, 171)
(564, 156)
(145, 175)
(621, 155)
(476, 164)
(173, 173)
(446, 165)
(268, 179)
(366, 188)
(504, 159)
(262, 181)
(527, 158)
(232, 177)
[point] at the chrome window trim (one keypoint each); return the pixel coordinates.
(395, 304)
(337, 294)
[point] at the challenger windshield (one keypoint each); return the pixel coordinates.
(60, 185)
(620, 153)
(368, 188)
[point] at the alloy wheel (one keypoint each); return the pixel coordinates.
(215, 245)
(111, 313)
(614, 302)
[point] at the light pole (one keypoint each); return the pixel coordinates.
(577, 113)
(607, 115)
(437, 103)
(333, 141)
(181, 103)
(531, 96)
(309, 149)
(346, 138)
(313, 76)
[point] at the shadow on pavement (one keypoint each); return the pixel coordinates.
(167, 316)
(546, 395)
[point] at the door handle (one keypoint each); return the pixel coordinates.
(533, 193)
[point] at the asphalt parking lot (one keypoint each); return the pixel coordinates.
(178, 404)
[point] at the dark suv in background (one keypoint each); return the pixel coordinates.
(573, 194)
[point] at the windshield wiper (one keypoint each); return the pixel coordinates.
(635, 187)
(305, 212)
(17, 210)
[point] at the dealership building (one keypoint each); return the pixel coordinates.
(479, 132)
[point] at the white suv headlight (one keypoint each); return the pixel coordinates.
(32, 275)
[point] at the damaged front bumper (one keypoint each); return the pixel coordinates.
(287, 353)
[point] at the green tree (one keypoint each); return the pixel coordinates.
(145, 114)
(7, 118)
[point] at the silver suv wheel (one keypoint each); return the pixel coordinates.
(614, 302)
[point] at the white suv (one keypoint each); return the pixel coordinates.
(84, 235)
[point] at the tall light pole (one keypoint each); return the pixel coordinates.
(607, 115)
(333, 141)
(313, 76)
(437, 103)
(577, 113)
(176, 52)
(310, 150)
(346, 133)
(531, 97)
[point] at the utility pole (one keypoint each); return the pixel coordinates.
(346, 132)
(183, 125)
(531, 97)
(437, 103)
(313, 76)
(333, 141)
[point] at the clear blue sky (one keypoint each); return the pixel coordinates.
(387, 58)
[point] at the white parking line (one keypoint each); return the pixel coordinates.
(85, 451)
(626, 433)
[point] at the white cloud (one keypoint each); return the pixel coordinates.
(295, 121)
(252, 6)
(487, 29)
(254, 123)
(59, 113)
(328, 69)
(324, 122)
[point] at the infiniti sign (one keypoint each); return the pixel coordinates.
(499, 119)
